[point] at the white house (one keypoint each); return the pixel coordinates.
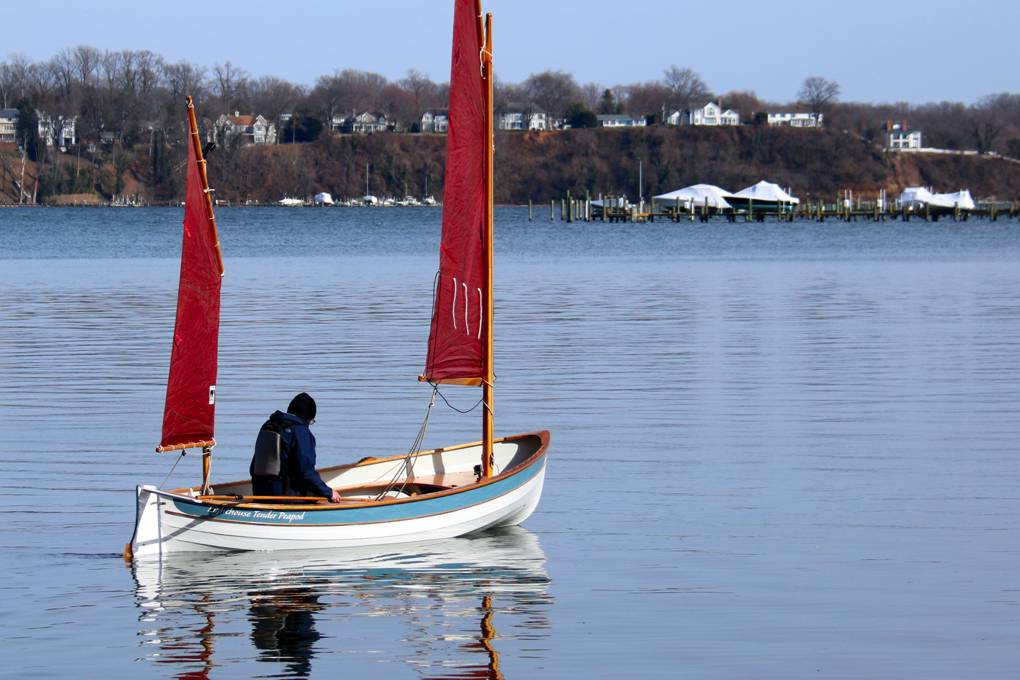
(8, 126)
(709, 114)
(363, 123)
(67, 135)
(250, 129)
(435, 121)
(520, 120)
(898, 135)
(612, 120)
(797, 120)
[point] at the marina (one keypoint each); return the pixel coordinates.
(706, 208)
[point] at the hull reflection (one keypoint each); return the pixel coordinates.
(445, 609)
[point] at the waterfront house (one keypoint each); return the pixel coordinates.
(436, 120)
(710, 114)
(797, 120)
(614, 120)
(253, 129)
(513, 119)
(362, 124)
(65, 137)
(899, 136)
(8, 126)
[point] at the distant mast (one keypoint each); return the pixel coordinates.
(460, 341)
(189, 414)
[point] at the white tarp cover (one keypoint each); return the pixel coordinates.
(766, 191)
(963, 199)
(323, 198)
(919, 196)
(696, 195)
(914, 196)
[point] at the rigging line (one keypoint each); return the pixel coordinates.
(447, 401)
(415, 448)
(173, 467)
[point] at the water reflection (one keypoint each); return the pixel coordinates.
(447, 609)
(283, 627)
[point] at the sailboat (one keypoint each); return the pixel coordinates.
(419, 496)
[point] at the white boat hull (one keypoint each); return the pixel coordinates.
(178, 521)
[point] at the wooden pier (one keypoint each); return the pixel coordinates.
(613, 209)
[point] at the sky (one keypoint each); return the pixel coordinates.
(877, 51)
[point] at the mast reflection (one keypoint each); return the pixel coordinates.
(300, 608)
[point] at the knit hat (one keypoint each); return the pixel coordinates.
(303, 406)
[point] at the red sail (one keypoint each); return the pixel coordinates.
(456, 349)
(191, 387)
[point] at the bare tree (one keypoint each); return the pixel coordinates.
(818, 92)
(271, 96)
(686, 88)
(745, 102)
(86, 63)
(552, 91)
(14, 75)
(228, 84)
(591, 95)
(644, 99)
(508, 95)
(346, 91)
(421, 88)
(183, 79)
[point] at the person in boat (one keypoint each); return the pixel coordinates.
(284, 459)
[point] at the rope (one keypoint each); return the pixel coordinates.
(184, 452)
(415, 448)
(447, 402)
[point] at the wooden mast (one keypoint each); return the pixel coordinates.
(489, 376)
(196, 142)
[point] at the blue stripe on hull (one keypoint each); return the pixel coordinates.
(363, 515)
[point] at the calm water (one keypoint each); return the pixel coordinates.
(779, 451)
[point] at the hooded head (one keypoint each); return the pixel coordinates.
(302, 406)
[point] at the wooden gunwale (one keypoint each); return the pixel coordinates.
(543, 437)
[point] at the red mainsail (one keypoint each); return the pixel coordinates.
(458, 336)
(191, 386)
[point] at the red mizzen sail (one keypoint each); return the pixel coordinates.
(456, 342)
(191, 386)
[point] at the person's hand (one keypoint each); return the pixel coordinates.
(335, 498)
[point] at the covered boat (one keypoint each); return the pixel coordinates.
(920, 198)
(693, 197)
(765, 195)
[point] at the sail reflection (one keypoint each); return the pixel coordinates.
(446, 609)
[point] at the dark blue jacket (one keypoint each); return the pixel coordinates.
(297, 461)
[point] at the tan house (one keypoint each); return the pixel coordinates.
(253, 129)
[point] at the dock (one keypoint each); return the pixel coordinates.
(609, 209)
